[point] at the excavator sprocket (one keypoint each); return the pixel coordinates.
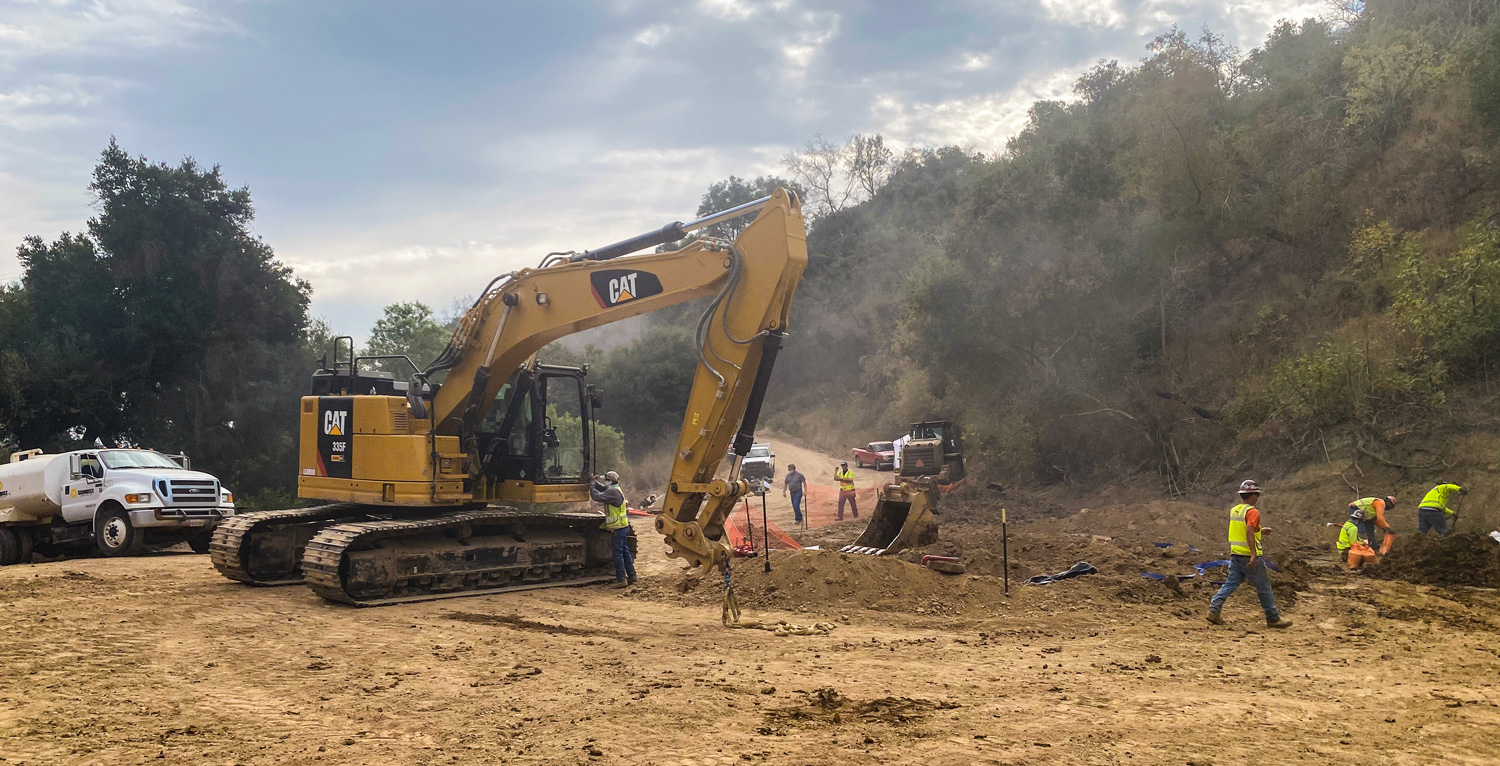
(462, 553)
(265, 547)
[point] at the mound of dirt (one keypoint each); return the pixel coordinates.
(828, 579)
(1463, 558)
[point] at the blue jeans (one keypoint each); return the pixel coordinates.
(1240, 571)
(1367, 531)
(797, 506)
(624, 559)
(1433, 519)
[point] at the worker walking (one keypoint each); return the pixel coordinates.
(845, 478)
(794, 483)
(1433, 512)
(1371, 514)
(606, 489)
(1245, 559)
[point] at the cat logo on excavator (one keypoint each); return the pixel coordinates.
(614, 287)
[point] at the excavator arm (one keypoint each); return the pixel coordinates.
(751, 281)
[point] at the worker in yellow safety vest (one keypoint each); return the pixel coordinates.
(1369, 513)
(1245, 561)
(606, 489)
(1433, 512)
(1348, 538)
(845, 478)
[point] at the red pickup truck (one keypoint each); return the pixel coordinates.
(878, 455)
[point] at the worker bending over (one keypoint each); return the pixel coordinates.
(845, 478)
(1433, 512)
(1349, 535)
(1245, 561)
(606, 489)
(1371, 514)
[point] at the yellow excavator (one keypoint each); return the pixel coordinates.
(435, 490)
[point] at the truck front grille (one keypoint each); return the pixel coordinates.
(188, 491)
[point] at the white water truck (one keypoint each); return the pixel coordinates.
(120, 501)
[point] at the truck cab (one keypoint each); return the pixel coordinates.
(760, 463)
(120, 500)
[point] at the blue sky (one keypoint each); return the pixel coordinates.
(401, 151)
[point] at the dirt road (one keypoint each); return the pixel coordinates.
(158, 660)
(821, 497)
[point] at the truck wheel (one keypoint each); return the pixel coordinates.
(26, 546)
(200, 543)
(10, 547)
(114, 535)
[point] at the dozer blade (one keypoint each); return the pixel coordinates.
(903, 519)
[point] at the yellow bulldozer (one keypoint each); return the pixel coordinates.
(931, 457)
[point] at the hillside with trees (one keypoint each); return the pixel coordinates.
(1202, 259)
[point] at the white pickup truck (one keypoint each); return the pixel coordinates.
(121, 501)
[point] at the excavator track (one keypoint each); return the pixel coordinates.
(465, 553)
(264, 547)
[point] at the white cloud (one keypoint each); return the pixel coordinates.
(586, 195)
(1085, 13)
(70, 26)
(973, 62)
(1245, 23)
(815, 31)
(56, 102)
(730, 10)
(653, 35)
(982, 122)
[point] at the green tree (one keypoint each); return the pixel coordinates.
(410, 329)
(734, 191)
(168, 325)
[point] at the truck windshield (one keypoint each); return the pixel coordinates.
(135, 458)
(759, 451)
(882, 447)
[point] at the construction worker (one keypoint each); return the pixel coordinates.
(794, 483)
(1433, 512)
(1349, 535)
(1245, 561)
(845, 478)
(1371, 515)
(606, 489)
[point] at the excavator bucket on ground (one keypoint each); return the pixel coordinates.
(903, 519)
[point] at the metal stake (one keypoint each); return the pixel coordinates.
(765, 529)
(1005, 550)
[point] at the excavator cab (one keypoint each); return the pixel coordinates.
(540, 429)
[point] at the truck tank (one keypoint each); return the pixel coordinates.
(24, 484)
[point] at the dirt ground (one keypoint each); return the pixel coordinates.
(159, 660)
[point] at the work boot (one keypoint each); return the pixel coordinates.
(1280, 623)
(1214, 618)
(631, 581)
(620, 584)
